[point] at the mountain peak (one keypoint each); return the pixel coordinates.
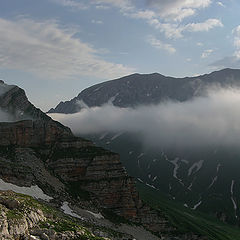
(143, 89)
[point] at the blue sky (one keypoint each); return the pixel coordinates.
(56, 48)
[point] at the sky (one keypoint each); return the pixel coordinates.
(56, 48)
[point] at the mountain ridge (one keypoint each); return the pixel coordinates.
(138, 89)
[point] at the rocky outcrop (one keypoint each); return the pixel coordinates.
(23, 218)
(16, 219)
(15, 103)
(28, 133)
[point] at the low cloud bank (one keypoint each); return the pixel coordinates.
(203, 121)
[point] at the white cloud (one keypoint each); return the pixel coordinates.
(177, 10)
(221, 4)
(206, 53)
(143, 14)
(236, 43)
(203, 26)
(72, 4)
(199, 44)
(124, 5)
(173, 30)
(96, 21)
(169, 29)
(160, 45)
(232, 61)
(48, 50)
(170, 124)
(102, 7)
(162, 14)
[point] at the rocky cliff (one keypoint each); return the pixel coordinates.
(23, 218)
(77, 163)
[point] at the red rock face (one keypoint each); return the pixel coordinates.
(30, 133)
(75, 160)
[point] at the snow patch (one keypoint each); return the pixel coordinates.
(197, 205)
(190, 186)
(140, 180)
(103, 136)
(149, 185)
(140, 155)
(112, 99)
(184, 161)
(97, 89)
(232, 198)
(67, 210)
(34, 237)
(232, 185)
(216, 177)
(218, 167)
(213, 181)
(176, 167)
(138, 161)
(197, 165)
(165, 156)
(96, 215)
(33, 191)
(116, 136)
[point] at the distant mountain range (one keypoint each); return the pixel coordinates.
(201, 179)
(71, 189)
(139, 89)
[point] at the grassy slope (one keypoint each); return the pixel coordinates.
(187, 220)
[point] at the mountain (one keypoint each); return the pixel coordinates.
(144, 89)
(80, 190)
(54, 185)
(204, 179)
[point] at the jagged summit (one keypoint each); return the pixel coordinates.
(138, 89)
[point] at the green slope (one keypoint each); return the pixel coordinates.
(187, 220)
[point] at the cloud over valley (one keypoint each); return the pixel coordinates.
(212, 120)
